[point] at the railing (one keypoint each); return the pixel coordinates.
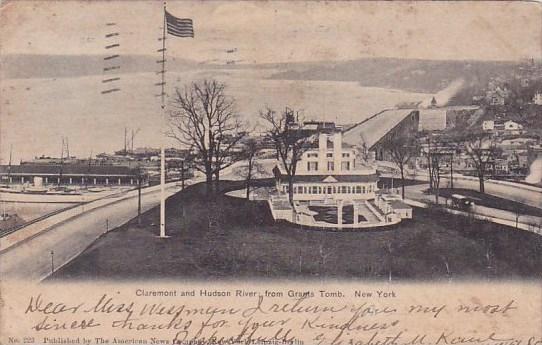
(309, 221)
(535, 228)
(375, 212)
(458, 177)
(337, 227)
(34, 228)
(12, 229)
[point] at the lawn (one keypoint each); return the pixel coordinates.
(244, 242)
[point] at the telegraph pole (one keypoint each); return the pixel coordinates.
(452, 170)
(139, 198)
(182, 174)
(429, 162)
(9, 164)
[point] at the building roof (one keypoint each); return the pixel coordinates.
(337, 178)
(372, 129)
(67, 169)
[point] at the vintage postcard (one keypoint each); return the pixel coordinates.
(270, 172)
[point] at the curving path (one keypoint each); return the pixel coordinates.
(32, 259)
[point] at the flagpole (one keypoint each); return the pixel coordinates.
(164, 57)
(162, 150)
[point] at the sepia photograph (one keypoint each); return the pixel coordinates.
(271, 142)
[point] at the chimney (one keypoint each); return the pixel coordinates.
(337, 149)
(322, 149)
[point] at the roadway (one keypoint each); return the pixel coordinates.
(522, 193)
(31, 259)
(415, 192)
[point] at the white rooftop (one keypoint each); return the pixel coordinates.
(371, 130)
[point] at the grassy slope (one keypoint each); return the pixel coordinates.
(248, 244)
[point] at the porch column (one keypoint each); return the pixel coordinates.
(58, 180)
(106, 180)
(71, 180)
(339, 213)
(119, 181)
(46, 180)
(22, 179)
(95, 180)
(356, 213)
(131, 181)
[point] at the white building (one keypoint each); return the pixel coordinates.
(330, 171)
(537, 99)
(432, 119)
(333, 187)
(488, 125)
(512, 127)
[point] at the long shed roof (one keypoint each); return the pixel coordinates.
(68, 169)
(372, 129)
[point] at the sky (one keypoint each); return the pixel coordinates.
(275, 31)
(36, 113)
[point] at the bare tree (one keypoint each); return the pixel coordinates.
(203, 118)
(482, 150)
(290, 141)
(436, 160)
(401, 149)
(363, 149)
(250, 149)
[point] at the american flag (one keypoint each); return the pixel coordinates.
(180, 27)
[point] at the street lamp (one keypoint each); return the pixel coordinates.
(52, 262)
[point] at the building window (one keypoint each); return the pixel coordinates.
(345, 166)
(334, 190)
(330, 166)
(346, 155)
(329, 155)
(349, 190)
(329, 190)
(363, 189)
(358, 189)
(312, 166)
(343, 189)
(312, 155)
(314, 190)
